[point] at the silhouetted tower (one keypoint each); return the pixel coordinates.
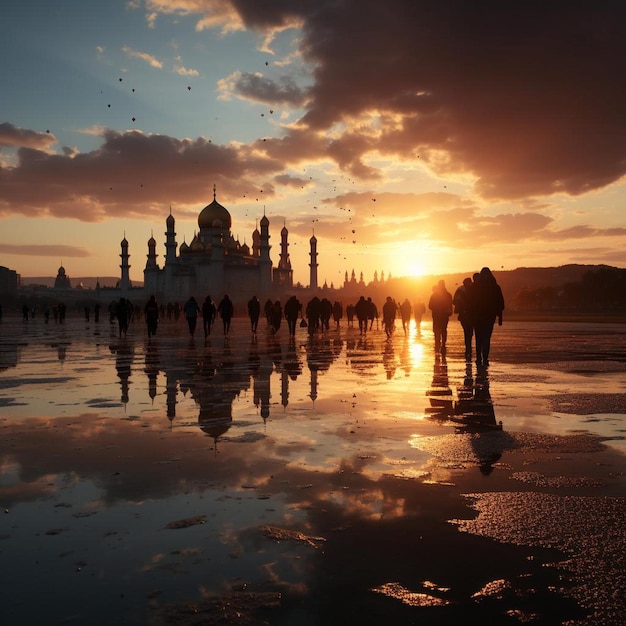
(283, 274)
(265, 263)
(125, 267)
(313, 264)
(151, 263)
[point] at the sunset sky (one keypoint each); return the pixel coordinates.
(411, 137)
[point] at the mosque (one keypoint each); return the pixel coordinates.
(215, 262)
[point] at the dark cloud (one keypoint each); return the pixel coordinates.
(526, 97)
(13, 136)
(129, 174)
(262, 89)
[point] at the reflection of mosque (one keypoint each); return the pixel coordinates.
(215, 376)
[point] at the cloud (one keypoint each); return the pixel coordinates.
(144, 56)
(526, 98)
(179, 68)
(13, 136)
(258, 88)
(129, 174)
(59, 251)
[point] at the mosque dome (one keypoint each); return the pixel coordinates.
(196, 245)
(61, 271)
(184, 248)
(214, 215)
(151, 242)
(169, 219)
(245, 249)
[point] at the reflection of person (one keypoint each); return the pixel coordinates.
(151, 313)
(462, 302)
(440, 304)
(254, 312)
(488, 305)
(191, 310)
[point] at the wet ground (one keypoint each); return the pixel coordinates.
(330, 480)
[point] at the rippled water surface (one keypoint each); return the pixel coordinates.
(327, 480)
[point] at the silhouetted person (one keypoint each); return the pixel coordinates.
(419, 308)
(25, 312)
(440, 304)
(372, 313)
(361, 310)
(277, 316)
(313, 314)
(254, 312)
(405, 315)
(326, 312)
(87, 313)
(463, 306)
(151, 315)
(267, 311)
(337, 312)
(488, 305)
(389, 315)
(191, 311)
(226, 310)
(121, 313)
(96, 312)
(209, 312)
(350, 315)
(292, 310)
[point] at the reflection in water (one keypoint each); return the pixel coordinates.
(440, 393)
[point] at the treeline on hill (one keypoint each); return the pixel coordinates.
(601, 290)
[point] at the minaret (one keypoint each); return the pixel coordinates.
(283, 274)
(151, 263)
(125, 267)
(265, 263)
(313, 264)
(170, 239)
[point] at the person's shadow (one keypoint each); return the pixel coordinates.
(474, 414)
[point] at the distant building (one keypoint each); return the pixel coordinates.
(214, 262)
(9, 280)
(62, 281)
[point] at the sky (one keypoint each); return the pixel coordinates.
(410, 137)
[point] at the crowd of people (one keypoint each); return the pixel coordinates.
(478, 303)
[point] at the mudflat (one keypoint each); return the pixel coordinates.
(324, 479)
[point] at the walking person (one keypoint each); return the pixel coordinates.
(121, 312)
(389, 316)
(191, 311)
(440, 304)
(462, 302)
(405, 315)
(292, 310)
(226, 310)
(208, 315)
(254, 312)
(361, 309)
(488, 305)
(151, 315)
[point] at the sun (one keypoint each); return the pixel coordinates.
(414, 268)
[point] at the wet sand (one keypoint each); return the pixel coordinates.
(329, 480)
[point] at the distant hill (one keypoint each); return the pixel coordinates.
(511, 281)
